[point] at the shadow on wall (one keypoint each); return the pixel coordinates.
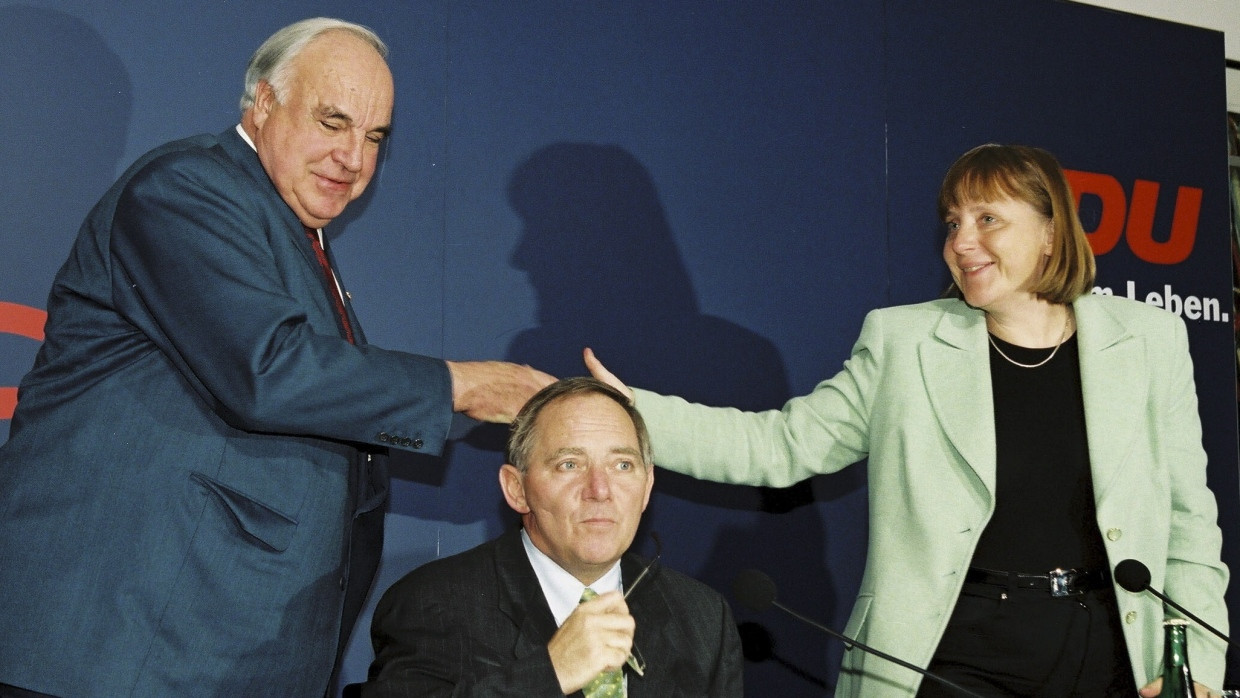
(601, 257)
(66, 115)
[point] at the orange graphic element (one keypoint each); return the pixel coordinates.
(1110, 228)
(1134, 221)
(8, 402)
(1140, 232)
(24, 321)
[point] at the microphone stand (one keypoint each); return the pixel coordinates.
(1190, 615)
(853, 643)
(1134, 576)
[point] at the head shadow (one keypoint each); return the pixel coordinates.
(600, 254)
(68, 103)
(67, 106)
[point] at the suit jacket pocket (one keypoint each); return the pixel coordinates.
(263, 482)
(262, 523)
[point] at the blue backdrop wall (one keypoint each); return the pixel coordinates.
(710, 194)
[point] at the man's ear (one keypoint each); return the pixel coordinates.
(264, 100)
(512, 482)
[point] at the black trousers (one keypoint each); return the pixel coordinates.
(1024, 642)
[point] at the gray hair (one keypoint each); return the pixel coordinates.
(270, 62)
(523, 431)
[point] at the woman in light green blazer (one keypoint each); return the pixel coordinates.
(1020, 429)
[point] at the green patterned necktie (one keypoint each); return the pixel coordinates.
(609, 684)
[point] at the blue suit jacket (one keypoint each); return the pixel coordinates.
(477, 624)
(184, 495)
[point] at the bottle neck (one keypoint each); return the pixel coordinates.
(1177, 678)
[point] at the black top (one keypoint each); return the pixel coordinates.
(1044, 497)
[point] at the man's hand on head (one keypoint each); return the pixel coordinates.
(493, 391)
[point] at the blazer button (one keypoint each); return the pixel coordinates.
(1130, 617)
(406, 442)
(1114, 534)
(417, 443)
(383, 437)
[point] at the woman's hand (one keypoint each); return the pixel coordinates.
(1154, 688)
(600, 372)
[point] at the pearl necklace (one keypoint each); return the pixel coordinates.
(1062, 337)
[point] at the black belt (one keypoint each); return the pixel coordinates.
(1057, 582)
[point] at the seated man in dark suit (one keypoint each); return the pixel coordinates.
(504, 618)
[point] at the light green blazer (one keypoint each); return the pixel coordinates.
(915, 398)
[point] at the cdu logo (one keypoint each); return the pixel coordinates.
(23, 321)
(1132, 218)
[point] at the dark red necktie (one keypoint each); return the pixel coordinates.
(330, 280)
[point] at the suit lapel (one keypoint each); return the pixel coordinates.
(956, 370)
(657, 638)
(955, 365)
(246, 158)
(521, 597)
(1110, 356)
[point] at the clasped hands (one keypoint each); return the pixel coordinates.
(596, 637)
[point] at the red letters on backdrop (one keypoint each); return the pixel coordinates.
(1139, 231)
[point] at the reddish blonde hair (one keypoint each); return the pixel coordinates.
(990, 172)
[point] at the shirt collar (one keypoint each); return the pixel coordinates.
(246, 137)
(561, 589)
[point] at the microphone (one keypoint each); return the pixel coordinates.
(1134, 576)
(756, 591)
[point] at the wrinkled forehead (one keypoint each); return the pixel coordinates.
(341, 63)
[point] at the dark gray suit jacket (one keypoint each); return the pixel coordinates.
(477, 624)
(191, 497)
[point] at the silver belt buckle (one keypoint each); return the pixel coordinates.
(1061, 580)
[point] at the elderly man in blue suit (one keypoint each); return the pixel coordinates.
(191, 498)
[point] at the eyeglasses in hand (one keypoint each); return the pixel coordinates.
(635, 660)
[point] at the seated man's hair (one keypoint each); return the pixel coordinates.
(521, 435)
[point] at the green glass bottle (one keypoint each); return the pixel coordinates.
(1177, 679)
